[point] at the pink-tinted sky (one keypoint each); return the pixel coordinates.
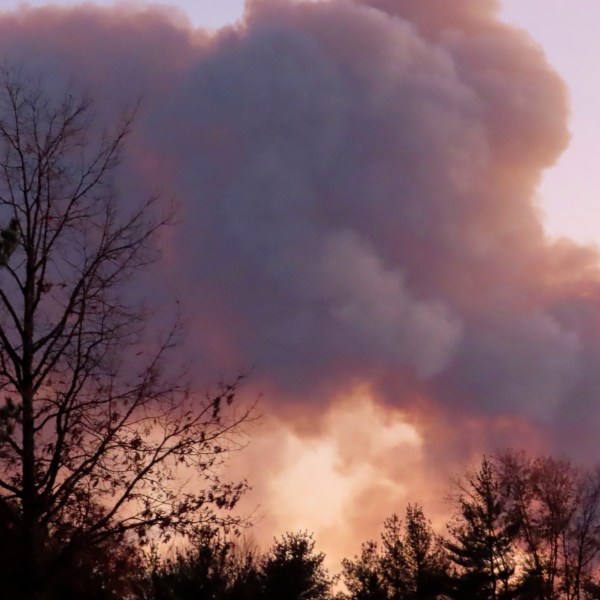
(568, 32)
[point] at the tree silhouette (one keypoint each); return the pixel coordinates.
(410, 565)
(214, 567)
(363, 576)
(482, 539)
(292, 569)
(556, 511)
(94, 426)
(426, 561)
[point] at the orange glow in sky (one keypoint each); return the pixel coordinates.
(362, 463)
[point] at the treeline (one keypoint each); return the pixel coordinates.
(520, 528)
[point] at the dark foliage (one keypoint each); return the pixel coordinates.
(217, 567)
(213, 567)
(411, 563)
(482, 539)
(293, 569)
(522, 529)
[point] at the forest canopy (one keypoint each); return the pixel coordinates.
(519, 528)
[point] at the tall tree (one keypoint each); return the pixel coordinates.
(93, 429)
(393, 560)
(481, 544)
(427, 564)
(583, 549)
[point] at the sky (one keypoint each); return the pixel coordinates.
(362, 188)
(567, 32)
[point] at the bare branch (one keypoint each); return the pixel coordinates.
(98, 440)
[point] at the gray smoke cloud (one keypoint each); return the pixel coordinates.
(356, 182)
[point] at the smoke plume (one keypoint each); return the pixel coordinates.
(358, 225)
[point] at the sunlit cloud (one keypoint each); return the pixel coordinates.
(358, 451)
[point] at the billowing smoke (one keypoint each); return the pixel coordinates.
(359, 226)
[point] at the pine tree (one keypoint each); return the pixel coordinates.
(482, 540)
(427, 564)
(411, 563)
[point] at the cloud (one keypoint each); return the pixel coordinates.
(356, 182)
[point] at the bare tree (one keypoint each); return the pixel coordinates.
(555, 508)
(93, 427)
